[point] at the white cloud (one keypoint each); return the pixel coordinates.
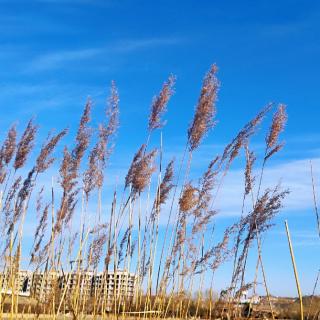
(57, 59)
(294, 175)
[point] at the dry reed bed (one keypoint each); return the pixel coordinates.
(170, 267)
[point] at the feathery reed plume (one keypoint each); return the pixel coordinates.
(25, 145)
(96, 247)
(232, 149)
(7, 152)
(207, 184)
(39, 235)
(8, 204)
(218, 253)
(68, 183)
(82, 138)
(141, 169)
(159, 104)
(9, 145)
(108, 256)
(107, 133)
(44, 160)
(189, 198)
(257, 222)
(123, 242)
(69, 170)
(278, 124)
(22, 196)
(249, 179)
(205, 112)
(90, 176)
(165, 186)
(137, 157)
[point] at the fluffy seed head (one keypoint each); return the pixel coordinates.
(25, 145)
(44, 160)
(205, 112)
(159, 104)
(189, 198)
(9, 145)
(141, 169)
(277, 126)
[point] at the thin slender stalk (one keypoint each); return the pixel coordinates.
(295, 270)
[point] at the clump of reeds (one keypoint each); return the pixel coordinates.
(127, 235)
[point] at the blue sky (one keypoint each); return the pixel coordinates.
(56, 53)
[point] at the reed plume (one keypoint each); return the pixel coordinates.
(249, 179)
(25, 145)
(9, 145)
(107, 133)
(44, 159)
(91, 177)
(9, 201)
(205, 112)
(159, 104)
(141, 169)
(39, 234)
(69, 170)
(232, 149)
(278, 123)
(97, 245)
(82, 137)
(94, 175)
(7, 152)
(189, 198)
(257, 222)
(165, 186)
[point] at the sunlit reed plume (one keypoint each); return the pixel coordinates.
(7, 152)
(278, 123)
(96, 247)
(25, 145)
(249, 179)
(44, 159)
(232, 149)
(69, 170)
(9, 145)
(165, 186)
(159, 104)
(189, 198)
(141, 169)
(83, 137)
(205, 112)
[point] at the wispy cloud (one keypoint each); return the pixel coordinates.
(294, 175)
(53, 60)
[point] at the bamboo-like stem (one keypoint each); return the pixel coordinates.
(295, 269)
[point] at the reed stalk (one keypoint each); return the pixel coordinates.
(295, 270)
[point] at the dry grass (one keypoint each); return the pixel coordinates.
(170, 269)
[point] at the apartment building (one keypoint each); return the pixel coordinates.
(40, 285)
(22, 282)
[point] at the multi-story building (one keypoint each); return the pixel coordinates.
(110, 286)
(43, 284)
(22, 281)
(117, 285)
